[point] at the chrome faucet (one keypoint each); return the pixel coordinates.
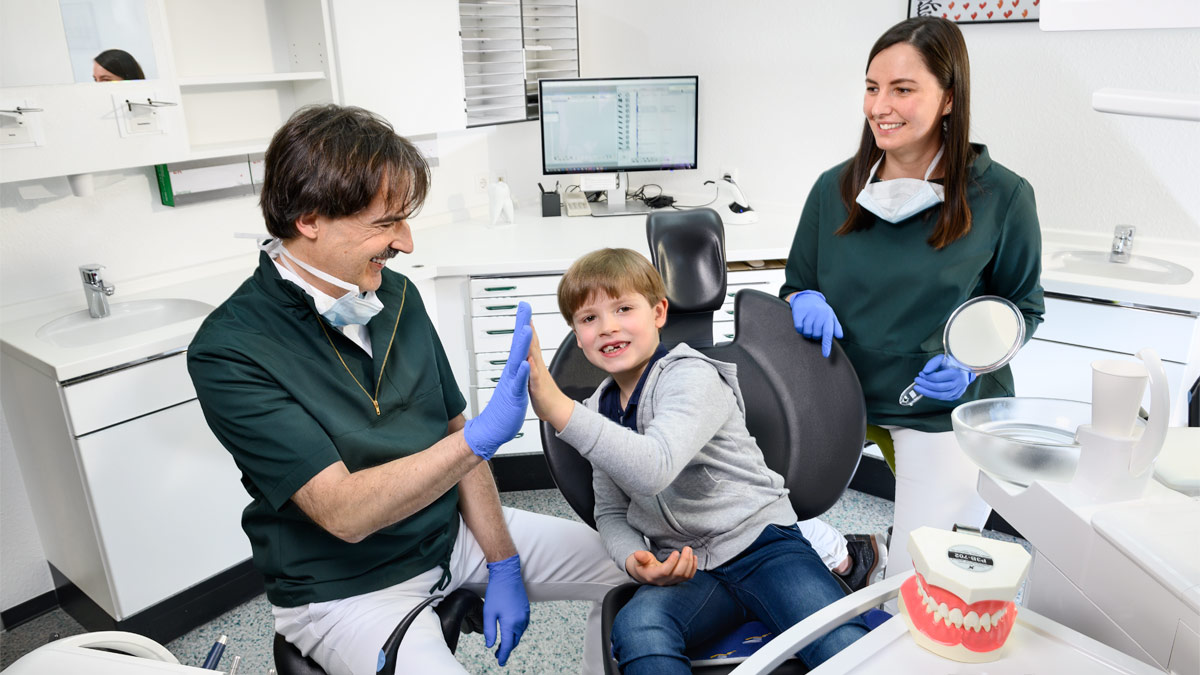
(1122, 244)
(95, 290)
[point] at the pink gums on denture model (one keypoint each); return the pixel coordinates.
(944, 618)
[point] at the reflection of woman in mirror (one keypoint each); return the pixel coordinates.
(115, 65)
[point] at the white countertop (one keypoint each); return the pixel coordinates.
(532, 245)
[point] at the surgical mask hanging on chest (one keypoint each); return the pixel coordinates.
(353, 308)
(901, 198)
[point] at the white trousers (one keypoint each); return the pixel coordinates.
(935, 486)
(826, 541)
(560, 560)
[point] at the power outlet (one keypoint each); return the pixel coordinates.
(481, 182)
(731, 172)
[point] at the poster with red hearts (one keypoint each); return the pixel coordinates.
(976, 11)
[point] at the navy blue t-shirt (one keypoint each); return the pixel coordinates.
(610, 398)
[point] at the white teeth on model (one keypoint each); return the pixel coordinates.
(954, 617)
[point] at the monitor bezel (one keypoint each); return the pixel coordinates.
(695, 129)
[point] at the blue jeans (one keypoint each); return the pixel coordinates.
(779, 580)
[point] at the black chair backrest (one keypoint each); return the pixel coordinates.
(806, 411)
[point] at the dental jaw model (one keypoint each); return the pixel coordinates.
(959, 604)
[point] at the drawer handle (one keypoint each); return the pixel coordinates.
(500, 288)
(519, 434)
(494, 379)
(729, 312)
(731, 294)
(498, 362)
(498, 331)
(729, 335)
(495, 307)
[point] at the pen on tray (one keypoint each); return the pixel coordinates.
(541, 188)
(214, 654)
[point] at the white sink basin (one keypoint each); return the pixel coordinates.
(1139, 268)
(79, 329)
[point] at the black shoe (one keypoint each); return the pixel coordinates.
(868, 559)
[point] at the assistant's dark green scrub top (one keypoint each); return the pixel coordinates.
(277, 397)
(893, 292)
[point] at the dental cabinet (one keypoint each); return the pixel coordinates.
(226, 75)
(134, 498)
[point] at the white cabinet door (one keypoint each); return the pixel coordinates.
(167, 499)
(403, 60)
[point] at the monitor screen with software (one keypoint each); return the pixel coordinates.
(607, 125)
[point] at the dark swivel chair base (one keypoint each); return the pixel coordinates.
(461, 611)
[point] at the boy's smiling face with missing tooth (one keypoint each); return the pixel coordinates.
(619, 335)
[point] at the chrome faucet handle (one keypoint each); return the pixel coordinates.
(90, 274)
(1124, 231)
(1122, 244)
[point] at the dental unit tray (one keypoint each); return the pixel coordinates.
(1036, 645)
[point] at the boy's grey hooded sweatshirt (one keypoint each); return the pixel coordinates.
(692, 475)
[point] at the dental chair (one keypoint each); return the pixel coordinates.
(461, 610)
(806, 411)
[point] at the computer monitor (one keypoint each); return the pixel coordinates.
(615, 125)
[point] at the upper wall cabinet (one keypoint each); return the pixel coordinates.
(244, 66)
(401, 59)
(54, 120)
(221, 77)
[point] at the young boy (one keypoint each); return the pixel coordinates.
(675, 466)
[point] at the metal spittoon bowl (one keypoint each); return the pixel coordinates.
(1023, 439)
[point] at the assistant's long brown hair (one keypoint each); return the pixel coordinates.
(944, 52)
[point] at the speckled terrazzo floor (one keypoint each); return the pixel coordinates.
(553, 642)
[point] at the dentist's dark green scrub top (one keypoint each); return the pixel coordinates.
(893, 292)
(276, 396)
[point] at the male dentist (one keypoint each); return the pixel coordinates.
(324, 378)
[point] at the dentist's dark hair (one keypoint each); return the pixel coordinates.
(942, 48)
(332, 160)
(120, 63)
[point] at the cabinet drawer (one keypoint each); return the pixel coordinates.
(771, 276)
(167, 500)
(722, 332)
(540, 304)
(495, 360)
(494, 333)
(1052, 370)
(111, 399)
(1117, 329)
(502, 287)
(484, 394)
(527, 441)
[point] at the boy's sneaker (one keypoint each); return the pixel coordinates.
(868, 557)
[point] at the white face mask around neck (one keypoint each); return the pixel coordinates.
(352, 308)
(901, 198)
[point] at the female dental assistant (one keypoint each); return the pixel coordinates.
(891, 241)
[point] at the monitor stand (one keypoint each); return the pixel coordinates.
(622, 208)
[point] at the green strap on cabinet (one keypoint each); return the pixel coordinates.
(165, 192)
(883, 438)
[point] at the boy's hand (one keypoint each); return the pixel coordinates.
(676, 569)
(549, 403)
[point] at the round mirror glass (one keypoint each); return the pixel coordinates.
(984, 333)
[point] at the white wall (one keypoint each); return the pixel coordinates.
(781, 86)
(781, 94)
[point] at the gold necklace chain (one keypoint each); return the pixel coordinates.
(374, 400)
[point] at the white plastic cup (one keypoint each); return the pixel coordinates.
(1117, 389)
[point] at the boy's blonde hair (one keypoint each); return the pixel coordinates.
(615, 271)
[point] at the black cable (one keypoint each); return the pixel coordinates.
(685, 207)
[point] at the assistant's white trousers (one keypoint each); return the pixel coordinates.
(560, 560)
(935, 486)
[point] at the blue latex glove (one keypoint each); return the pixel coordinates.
(506, 602)
(505, 413)
(814, 319)
(942, 380)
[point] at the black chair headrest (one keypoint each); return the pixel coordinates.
(688, 248)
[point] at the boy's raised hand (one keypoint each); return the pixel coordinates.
(676, 569)
(549, 403)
